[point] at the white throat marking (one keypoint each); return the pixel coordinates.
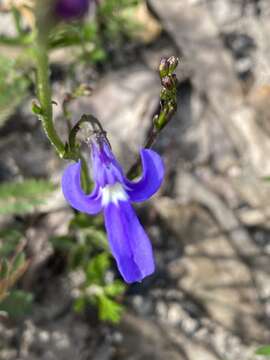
(113, 193)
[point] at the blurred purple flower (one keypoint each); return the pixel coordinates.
(70, 9)
(113, 193)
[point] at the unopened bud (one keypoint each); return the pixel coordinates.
(71, 9)
(163, 67)
(169, 82)
(173, 61)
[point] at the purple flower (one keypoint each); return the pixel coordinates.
(113, 193)
(70, 9)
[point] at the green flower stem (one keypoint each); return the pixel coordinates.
(168, 106)
(45, 96)
(44, 93)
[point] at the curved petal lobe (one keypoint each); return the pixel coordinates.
(151, 180)
(71, 187)
(128, 241)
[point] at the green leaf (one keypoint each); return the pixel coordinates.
(98, 55)
(17, 304)
(115, 289)
(13, 85)
(97, 267)
(264, 350)
(66, 35)
(109, 310)
(23, 197)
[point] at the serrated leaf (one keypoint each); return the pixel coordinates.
(263, 350)
(12, 87)
(22, 197)
(109, 310)
(97, 267)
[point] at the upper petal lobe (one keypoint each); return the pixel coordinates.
(151, 180)
(71, 187)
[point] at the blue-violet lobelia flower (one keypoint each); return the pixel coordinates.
(70, 9)
(113, 193)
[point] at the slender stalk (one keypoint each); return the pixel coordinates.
(168, 106)
(45, 95)
(46, 116)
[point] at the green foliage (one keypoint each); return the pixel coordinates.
(112, 15)
(16, 198)
(22, 197)
(13, 261)
(97, 267)
(86, 249)
(264, 350)
(13, 85)
(108, 29)
(95, 290)
(87, 237)
(17, 304)
(109, 310)
(9, 239)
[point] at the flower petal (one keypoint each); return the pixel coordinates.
(128, 241)
(71, 187)
(151, 180)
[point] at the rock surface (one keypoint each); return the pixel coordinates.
(210, 296)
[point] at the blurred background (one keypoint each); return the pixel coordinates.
(209, 299)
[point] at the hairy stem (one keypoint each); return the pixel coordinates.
(45, 96)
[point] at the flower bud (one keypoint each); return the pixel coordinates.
(169, 82)
(163, 67)
(71, 9)
(172, 63)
